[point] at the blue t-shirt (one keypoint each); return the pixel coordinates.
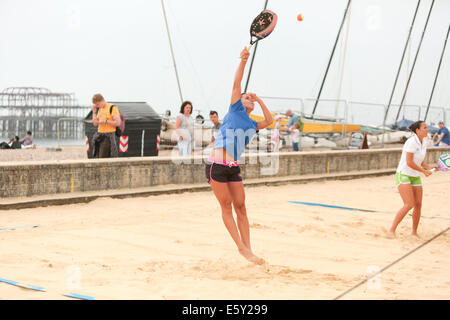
(292, 119)
(446, 137)
(236, 130)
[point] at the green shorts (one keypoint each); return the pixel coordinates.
(404, 179)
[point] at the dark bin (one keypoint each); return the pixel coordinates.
(141, 134)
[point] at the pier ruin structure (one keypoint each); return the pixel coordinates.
(38, 110)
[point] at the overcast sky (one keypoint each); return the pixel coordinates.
(121, 49)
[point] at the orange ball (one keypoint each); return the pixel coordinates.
(300, 17)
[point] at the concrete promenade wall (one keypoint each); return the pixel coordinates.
(55, 177)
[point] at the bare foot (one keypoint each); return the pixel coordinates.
(389, 234)
(415, 235)
(250, 256)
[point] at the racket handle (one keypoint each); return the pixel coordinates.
(433, 170)
(249, 47)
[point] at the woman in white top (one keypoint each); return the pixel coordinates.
(276, 134)
(407, 176)
(184, 127)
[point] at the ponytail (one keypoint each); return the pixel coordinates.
(416, 125)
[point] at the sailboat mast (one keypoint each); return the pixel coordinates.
(331, 58)
(437, 74)
(414, 63)
(171, 51)
(400, 68)
(344, 55)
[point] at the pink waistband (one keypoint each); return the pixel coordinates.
(223, 162)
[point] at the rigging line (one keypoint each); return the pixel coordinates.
(171, 50)
(189, 56)
(437, 74)
(331, 58)
(344, 46)
(399, 69)
(316, 84)
(414, 62)
(444, 96)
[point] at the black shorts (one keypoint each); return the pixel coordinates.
(222, 174)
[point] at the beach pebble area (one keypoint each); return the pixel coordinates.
(43, 153)
(79, 153)
(50, 153)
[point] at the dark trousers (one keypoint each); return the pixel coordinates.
(4, 145)
(104, 149)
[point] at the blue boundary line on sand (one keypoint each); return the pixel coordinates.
(78, 296)
(41, 289)
(330, 206)
(18, 227)
(356, 209)
(22, 285)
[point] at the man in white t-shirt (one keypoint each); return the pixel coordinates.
(214, 117)
(407, 177)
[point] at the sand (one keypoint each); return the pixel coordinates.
(176, 246)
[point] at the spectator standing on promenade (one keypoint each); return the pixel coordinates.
(293, 118)
(214, 117)
(107, 119)
(276, 134)
(295, 137)
(184, 127)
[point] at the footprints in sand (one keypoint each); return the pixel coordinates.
(356, 224)
(331, 277)
(230, 270)
(259, 226)
(284, 271)
(373, 235)
(221, 270)
(310, 228)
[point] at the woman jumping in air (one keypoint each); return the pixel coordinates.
(222, 169)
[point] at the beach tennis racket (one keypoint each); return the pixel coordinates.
(444, 162)
(262, 26)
